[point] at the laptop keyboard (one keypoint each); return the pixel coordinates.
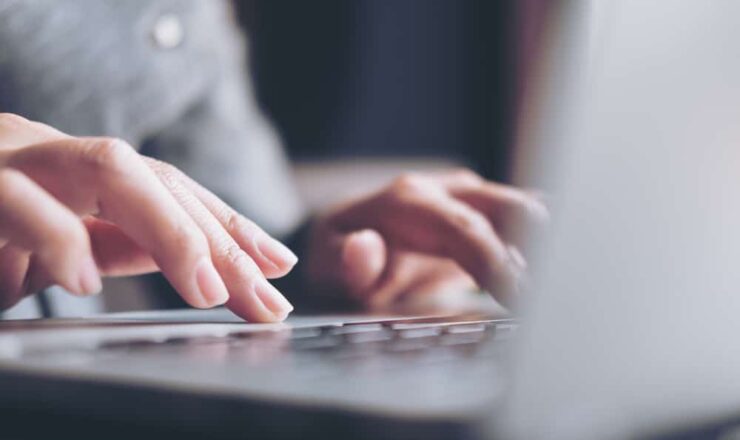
(422, 340)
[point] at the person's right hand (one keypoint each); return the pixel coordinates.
(73, 209)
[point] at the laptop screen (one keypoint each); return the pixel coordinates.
(631, 326)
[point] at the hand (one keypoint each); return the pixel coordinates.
(425, 233)
(73, 209)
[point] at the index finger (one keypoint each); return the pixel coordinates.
(107, 178)
(17, 131)
(517, 214)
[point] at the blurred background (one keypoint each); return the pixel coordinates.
(376, 87)
(361, 91)
(369, 79)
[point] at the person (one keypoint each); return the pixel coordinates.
(89, 86)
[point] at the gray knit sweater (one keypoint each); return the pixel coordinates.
(168, 75)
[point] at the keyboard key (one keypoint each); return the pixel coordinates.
(367, 337)
(303, 333)
(466, 328)
(356, 328)
(419, 332)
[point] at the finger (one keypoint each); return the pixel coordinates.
(115, 252)
(14, 263)
(423, 218)
(251, 296)
(107, 178)
(517, 257)
(17, 131)
(515, 213)
(418, 275)
(437, 284)
(401, 274)
(451, 293)
(273, 258)
(442, 276)
(33, 220)
(362, 260)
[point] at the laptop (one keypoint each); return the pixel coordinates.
(628, 330)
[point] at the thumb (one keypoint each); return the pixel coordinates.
(363, 260)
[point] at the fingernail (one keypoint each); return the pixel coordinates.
(272, 299)
(211, 286)
(519, 276)
(276, 252)
(89, 280)
(517, 257)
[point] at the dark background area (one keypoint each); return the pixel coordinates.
(379, 78)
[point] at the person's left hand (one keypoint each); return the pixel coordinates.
(422, 234)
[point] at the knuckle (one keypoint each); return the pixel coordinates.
(238, 258)
(466, 176)
(238, 224)
(168, 175)
(410, 183)
(109, 155)
(11, 119)
(187, 240)
(162, 168)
